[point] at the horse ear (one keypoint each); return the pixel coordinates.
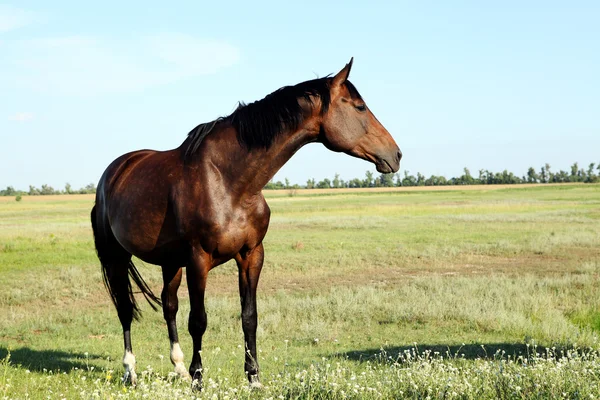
(342, 76)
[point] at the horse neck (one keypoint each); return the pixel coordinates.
(247, 171)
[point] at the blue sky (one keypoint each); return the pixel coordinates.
(458, 84)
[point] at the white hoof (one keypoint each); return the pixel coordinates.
(177, 360)
(129, 363)
(130, 377)
(182, 371)
(256, 385)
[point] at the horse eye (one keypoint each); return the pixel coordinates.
(361, 107)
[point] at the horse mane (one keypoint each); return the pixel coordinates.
(259, 123)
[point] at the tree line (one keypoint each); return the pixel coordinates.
(48, 190)
(591, 174)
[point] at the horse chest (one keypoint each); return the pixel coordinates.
(234, 232)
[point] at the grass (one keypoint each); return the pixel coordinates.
(487, 292)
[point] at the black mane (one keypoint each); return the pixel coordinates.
(259, 123)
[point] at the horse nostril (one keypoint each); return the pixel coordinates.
(399, 155)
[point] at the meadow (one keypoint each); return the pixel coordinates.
(474, 292)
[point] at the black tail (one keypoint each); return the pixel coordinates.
(117, 268)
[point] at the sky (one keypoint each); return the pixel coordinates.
(483, 85)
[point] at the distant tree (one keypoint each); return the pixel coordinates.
(47, 189)
(368, 182)
(591, 176)
(548, 173)
(482, 178)
(466, 178)
(355, 183)
(9, 191)
(563, 176)
(387, 180)
(310, 184)
(68, 189)
(574, 173)
(336, 181)
(543, 175)
(532, 176)
(398, 180)
(287, 183)
(436, 181)
(409, 180)
(324, 184)
(91, 188)
(33, 191)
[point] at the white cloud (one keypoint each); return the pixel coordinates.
(87, 65)
(13, 18)
(21, 117)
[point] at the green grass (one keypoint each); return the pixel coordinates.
(366, 295)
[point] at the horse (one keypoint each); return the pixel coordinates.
(201, 204)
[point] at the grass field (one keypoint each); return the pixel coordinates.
(485, 292)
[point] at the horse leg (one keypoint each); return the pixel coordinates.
(197, 272)
(118, 281)
(172, 280)
(249, 266)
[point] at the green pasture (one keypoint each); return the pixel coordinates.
(485, 293)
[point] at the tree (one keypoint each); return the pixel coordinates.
(591, 177)
(368, 179)
(355, 183)
(91, 188)
(409, 180)
(324, 184)
(466, 178)
(336, 181)
(398, 180)
(33, 191)
(310, 184)
(532, 176)
(47, 189)
(550, 174)
(543, 175)
(287, 183)
(68, 189)
(387, 180)
(574, 173)
(9, 191)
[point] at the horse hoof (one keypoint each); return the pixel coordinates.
(256, 385)
(196, 385)
(130, 378)
(182, 372)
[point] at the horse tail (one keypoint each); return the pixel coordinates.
(117, 269)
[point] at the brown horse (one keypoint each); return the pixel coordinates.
(201, 204)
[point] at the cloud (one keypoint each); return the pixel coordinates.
(83, 65)
(21, 117)
(13, 18)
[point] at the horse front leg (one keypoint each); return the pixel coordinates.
(249, 265)
(171, 281)
(197, 272)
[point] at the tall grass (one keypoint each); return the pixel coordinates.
(453, 294)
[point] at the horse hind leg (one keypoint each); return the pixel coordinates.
(120, 288)
(172, 280)
(116, 264)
